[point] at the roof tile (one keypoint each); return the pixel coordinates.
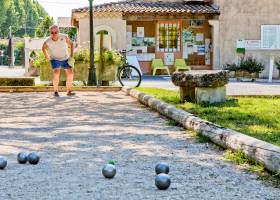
(139, 7)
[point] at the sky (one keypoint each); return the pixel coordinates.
(63, 8)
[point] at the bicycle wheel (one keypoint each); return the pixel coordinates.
(129, 76)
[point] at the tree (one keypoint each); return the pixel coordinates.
(43, 29)
(12, 19)
(23, 15)
(4, 6)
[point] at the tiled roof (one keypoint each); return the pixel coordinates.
(155, 7)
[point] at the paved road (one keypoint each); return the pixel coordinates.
(76, 136)
(233, 88)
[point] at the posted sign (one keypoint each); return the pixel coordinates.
(252, 44)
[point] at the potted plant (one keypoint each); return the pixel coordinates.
(246, 68)
(107, 65)
(251, 67)
(234, 70)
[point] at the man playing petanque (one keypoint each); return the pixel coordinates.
(56, 50)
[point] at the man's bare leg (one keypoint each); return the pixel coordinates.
(56, 75)
(69, 76)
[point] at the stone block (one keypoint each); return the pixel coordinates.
(204, 95)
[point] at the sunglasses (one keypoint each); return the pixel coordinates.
(54, 33)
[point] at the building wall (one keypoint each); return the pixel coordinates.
(116, 24)
(242, 19)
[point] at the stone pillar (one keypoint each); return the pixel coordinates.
(187, 94)
(216, 43)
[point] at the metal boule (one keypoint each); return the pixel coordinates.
(22, 157)
(162, 168)
(109, 171)
(33, 158)
(162, 181)
(3, 163)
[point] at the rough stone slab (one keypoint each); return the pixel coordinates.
(259, 150)
(201, 78)
(50, 89)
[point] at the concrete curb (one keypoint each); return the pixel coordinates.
(61, 89)
(261, 151)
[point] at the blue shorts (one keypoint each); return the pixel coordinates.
(56, 64)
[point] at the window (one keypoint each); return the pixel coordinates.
(270, 36)
(169, 37)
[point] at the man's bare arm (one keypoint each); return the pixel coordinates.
(71, 46)
(44, 49)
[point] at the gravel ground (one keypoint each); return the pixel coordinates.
(76, 136)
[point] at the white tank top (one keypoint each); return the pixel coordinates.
(58, 50)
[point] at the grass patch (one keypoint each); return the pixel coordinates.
(256, 117)
(171, 122)
(239, 158)
(200, 138)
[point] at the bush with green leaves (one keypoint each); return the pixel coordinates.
(277, 63)
(110, 57)
(231, 67)
(250, 65)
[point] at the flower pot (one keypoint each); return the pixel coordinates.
(246, 76)
(108, 73)
(80, 72)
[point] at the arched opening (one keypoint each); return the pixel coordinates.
(109, 37)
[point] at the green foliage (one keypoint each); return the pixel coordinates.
(17, 81)
(20, 45)
(277, 63)
(22, 15)
(249, 65)
(256, 117)
(18, 53)
(232, 67)
(172, 122)
(109, 57)
(43, 29)
(240, 158)
(82, 56)
(40, 60)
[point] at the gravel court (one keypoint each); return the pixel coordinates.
(77, 135)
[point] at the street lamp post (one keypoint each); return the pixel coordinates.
(92, 69)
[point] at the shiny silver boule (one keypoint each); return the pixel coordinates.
(109, 171)
(22, 158)
(3, 163)
(162, 181)
(162, 168)
(33, 158)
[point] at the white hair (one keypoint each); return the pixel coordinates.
(54, 27)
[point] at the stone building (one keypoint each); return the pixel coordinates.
(154, 29)
(203, 32)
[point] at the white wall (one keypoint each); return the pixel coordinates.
(116, 27)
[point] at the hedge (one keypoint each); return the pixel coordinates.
(17, 81)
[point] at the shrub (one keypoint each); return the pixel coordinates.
(109, 57)
(277, 63)
(232, 67)
(15, 81)
(249, 65)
